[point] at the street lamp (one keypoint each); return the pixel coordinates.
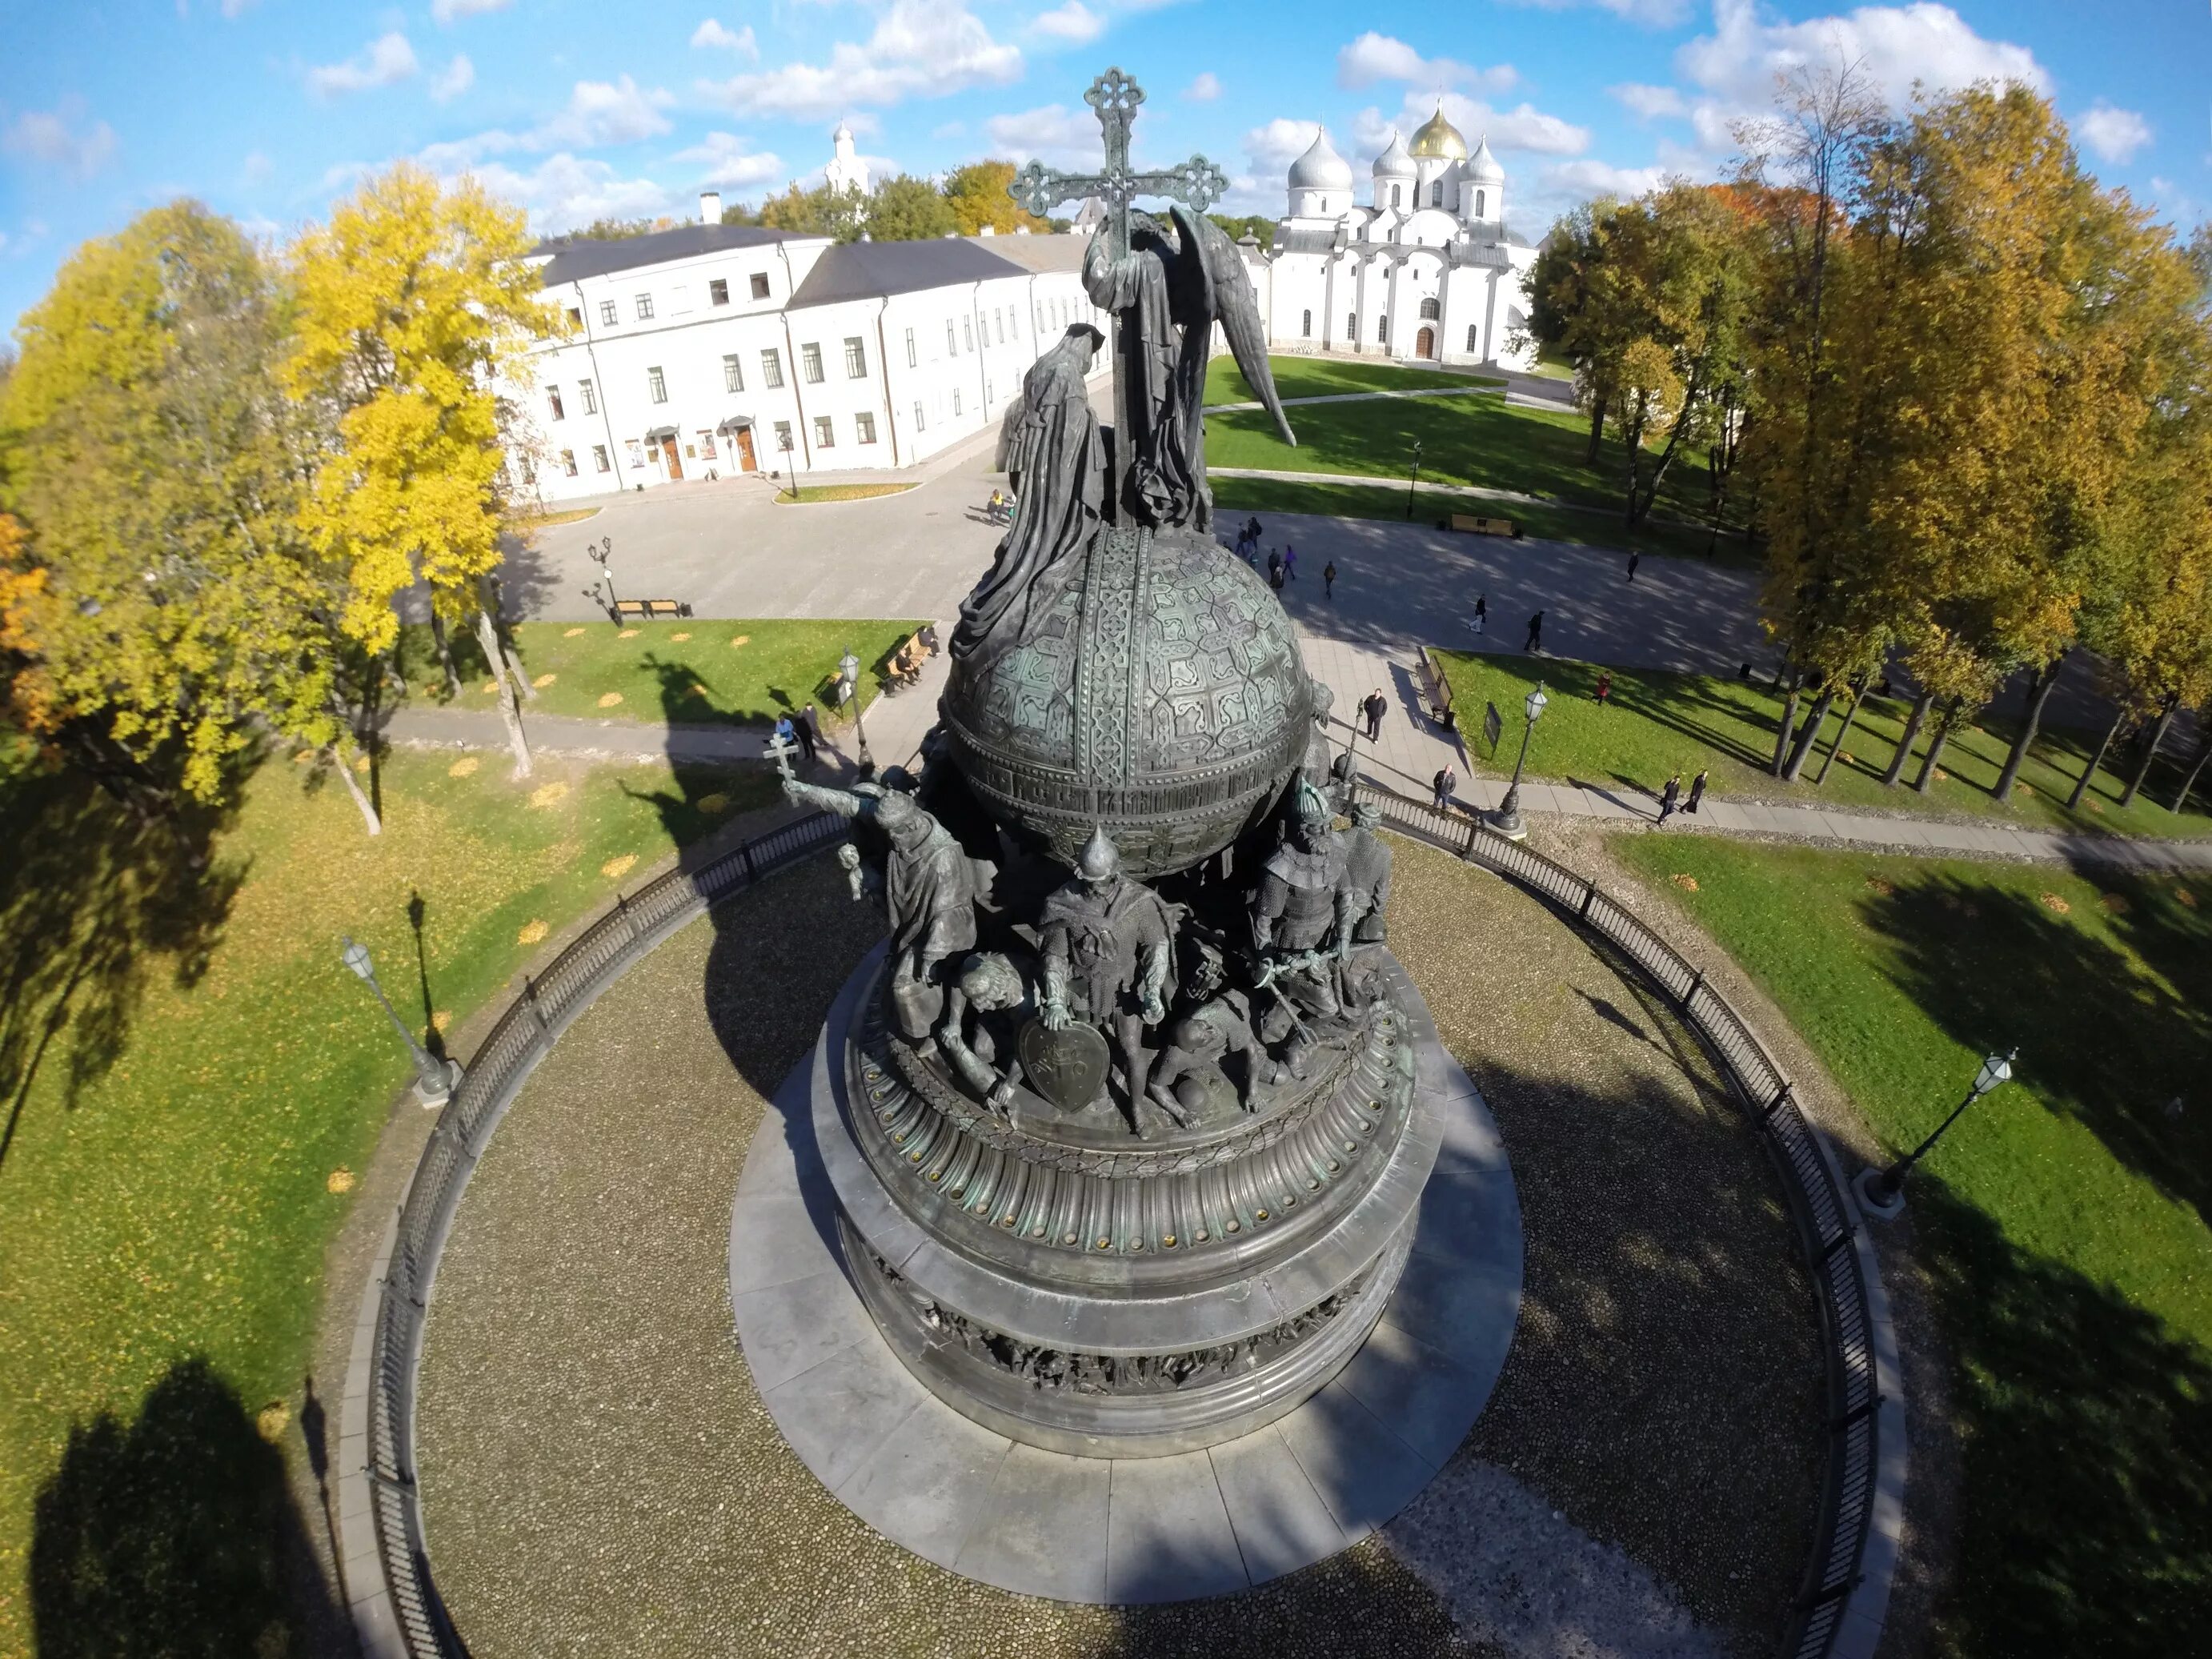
(1881, 1192)
(599, 551)
(849, 665)
(783, 443)
(1506, 820)
(434, 1078)
(1414, 480)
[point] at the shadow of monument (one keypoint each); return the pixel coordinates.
(176, 1536)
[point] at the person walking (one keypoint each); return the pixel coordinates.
(1274, 570)
(1290, 563)
(1329, 580)
(1442, 784)
(803, 728)
(1375, 706)
(1605, 692)
(1697, 793)
(1535, 641)
(784, 736)
(1481, 612)
(1252, 528)
(1667, 798)
(1634, 559)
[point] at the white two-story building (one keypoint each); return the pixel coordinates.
(712, 349)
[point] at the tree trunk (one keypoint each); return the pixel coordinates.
(2082, 783)
(2204, 753)
(1913, 722)
(1808, 734)
(444, 653)
(2150, 753)
(508, 710)
(1787, 728)
(1927, 777)
(2039, 694)
(345, 774)
(1597, 425)
(1859, 696)
(515, 667)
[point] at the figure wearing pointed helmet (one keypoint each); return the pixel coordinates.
(1109, 957)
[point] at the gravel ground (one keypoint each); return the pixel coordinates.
(599, 1476)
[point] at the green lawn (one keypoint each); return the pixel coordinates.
(1321, 377)
(813, 495)
(1558, 524)
(2062, 1221)
(1658, 723)
(194, 1079)
(696, 670)
(1474, 441)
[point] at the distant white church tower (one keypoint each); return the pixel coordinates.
(1426, 272)
(846, 170)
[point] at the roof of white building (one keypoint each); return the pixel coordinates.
(1038, 254)
(1482, 166)
(572, 261)
(1321, 167)
(1395, 162)
(1438, 139)
(870, 270)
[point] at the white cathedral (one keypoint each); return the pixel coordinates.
(1426, 272)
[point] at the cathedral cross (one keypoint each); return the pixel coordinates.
(1198, 182)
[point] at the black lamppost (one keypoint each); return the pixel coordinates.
(1881, 1192)
(600, 551)
(434, 1078)
(1506, 820)
(783, 442)
(1414, 480)
(849, 667)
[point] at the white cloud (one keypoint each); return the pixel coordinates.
(917, 50)
(605, 113)
(1374, 57)
(1650, 102)
(1588, 176)
(344, 175)
(257, 168)
(1205, 90)
(713, 33)
(1053, 133)
(564, 191)
(725, 159)
(1074, 23)
(235, 8)
(1525, 127)
(60, 140)
(448, 12)
(1652, 12)
(385, 61)
(1893, 46)
(456, 78)
(1273, 147)
(2115, 134)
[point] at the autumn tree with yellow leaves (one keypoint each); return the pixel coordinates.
(411, 306)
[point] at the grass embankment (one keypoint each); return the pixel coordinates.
(1321, 377)
(809, 495)
(1658, 723)
(194, 1080)
(1581, 527)
(700, 671)
(2062, 1220)
(522, 523)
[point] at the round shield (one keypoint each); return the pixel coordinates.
(1068, 1068)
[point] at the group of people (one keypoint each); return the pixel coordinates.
(1000, 509)
(799, 733)
(1478, 624)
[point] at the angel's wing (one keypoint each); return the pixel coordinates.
(1212, 267)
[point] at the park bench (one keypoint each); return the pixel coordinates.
(1441, 709)
(1466, 523)
(646, 609)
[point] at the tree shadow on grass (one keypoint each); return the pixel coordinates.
(2101, 1039)
(94, 906)
(2086, 1430)
(174, 1535)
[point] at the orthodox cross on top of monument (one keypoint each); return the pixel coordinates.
(1114, 96)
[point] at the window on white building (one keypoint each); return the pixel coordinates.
(760, 285)
(575, 317)
(599, 458)
(1437, 193)
(856, 358)
(607, 312)
(1382, 329)
(951, 342)
(657, 385)
(584, 390)
(810, 362)
(1479, 197)
(783, 436)
(718, 291)
(734, 377)
(822, 436)
(968, 333)
(772, 366)
(1431, 311)
(956, 400)
(1351, 326)
(1305, 328)
(912, 358)
(864, 429)
(569, 462)
(645, 307)
(1470, 336)
(998, 321)
(919, 423)
(553, 399)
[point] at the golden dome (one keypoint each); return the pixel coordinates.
(1438, 139)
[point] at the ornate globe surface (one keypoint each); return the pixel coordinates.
(1157, 693)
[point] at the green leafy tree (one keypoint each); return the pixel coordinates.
(905, 209)
(1257, 226)
(842, 214)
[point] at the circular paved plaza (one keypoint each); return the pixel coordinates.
(598, 1475)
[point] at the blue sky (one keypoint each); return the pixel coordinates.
(267, 109)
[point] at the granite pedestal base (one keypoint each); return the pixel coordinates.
(1159, 1527)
